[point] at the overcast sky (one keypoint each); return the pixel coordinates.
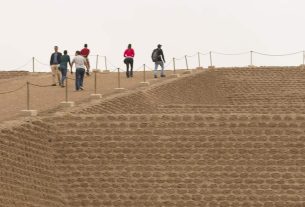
(32, 27)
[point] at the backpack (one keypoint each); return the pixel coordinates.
(155, 55)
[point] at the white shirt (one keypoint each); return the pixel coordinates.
(79, 61)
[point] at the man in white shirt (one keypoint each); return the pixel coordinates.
(80, 65)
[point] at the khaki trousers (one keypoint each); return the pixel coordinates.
(55, 74)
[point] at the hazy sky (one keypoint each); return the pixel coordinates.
(32, 27)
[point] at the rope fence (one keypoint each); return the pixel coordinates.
(102, 62)
(119, 69)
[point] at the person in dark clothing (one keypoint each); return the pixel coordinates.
(157, 57)
(65, 59)
(54, 62)
(129, 55)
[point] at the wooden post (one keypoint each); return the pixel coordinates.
(66, 96)
(119, 78)
(186, 63)
(211, 61)
(251, 57)
(144, 77)
(96, 66)
(174, 61)
(33, 64)
(199, 64)
(106, 63)
(95, 82)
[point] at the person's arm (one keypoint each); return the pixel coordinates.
(72, 66)
(125, 53)
(59, 58)
(152, 55)
(86, 64)
(70, 63)
(51, 59)
(162, 56)
(133, 53)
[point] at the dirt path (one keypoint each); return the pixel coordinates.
(46, 98)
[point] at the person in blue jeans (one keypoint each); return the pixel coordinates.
(157, 57)
(81, 65)
(65, 59)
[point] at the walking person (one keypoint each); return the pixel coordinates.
(54, 62)
(129, 55)
(80, 65)
(65, 59)
(157, 57)
(85, 53)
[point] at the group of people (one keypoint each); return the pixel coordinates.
(59, 64)
(157, 57)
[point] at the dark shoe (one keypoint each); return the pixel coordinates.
(54, 84)
(155, 76)
(162, 76)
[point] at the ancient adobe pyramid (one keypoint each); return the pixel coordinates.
(218, 138)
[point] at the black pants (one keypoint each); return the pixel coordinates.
(129, 62)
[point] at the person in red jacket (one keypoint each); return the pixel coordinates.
(85, 53)
(129, 55)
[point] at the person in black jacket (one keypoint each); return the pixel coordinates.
(157, 57)
(54, 63)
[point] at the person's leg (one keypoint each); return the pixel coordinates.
(156, 69)
(162, 68)
(82, 74)
(57, 74)
(63, 76)
(131, 67)
(53, 69)
(88, 63)
(77, 78)
(127, 67)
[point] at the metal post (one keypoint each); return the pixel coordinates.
(106, 63)
(33, 65)
(96, 66)
(27, 95)
(199, 64)
(211, 62)
(186, 63)
(144, 73)
(119, 78)
(66, 89)
(251, 57)
(174, 61)
(95, 82)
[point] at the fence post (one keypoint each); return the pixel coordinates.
(67, 103)
(28, 112)
(211, 61)
(66, 95)
(186, 63)
(174, 62)
(27, 95)
(96, 66)
(199, 64)
(95, 95)
(251, 58)
(144, 77)
(106, 63)
(144, 83)
(119, 82)
(95, 86)
(33, 64)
